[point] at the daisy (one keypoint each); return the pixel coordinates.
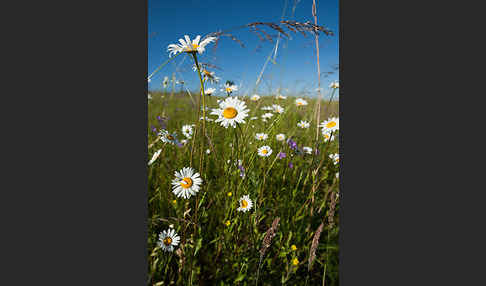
(208, 151)
(261, 136)
(187, 131)
(229, 88)
(255, 97)
(307, 150)
(155, 156)
(188, 46)
(230, 112)
(332, 124)
(253, 118)
(183, 142)
(277, 108)
(300, 102)
(168, 239)
(280, 97)
(165, 83)
(209, 91)
(267, 108)
(264, 151)
(335, 158)
(327, 135)
(186, 183)
(245, 204)
(334, 84)
(267, 115)
(149, 80)
(166, 137)
(303, 124)
(149, 96)
(280, 137)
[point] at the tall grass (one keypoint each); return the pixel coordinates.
(214, 253)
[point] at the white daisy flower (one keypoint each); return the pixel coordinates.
(245, 204)
(300, 102)
(267, 115)
(228, 88)
(334, 84)
(327, 135)
(280, 97)
(149, 96)
(337, 175)
(187, 130)
(280, 137)
(165, 83)
(261, 136)
(149, 80)
(332, 124)
(166, 137)
(155, 156)
(303, 124)
(188, 46)
(208, 151)
(277, 108)
(264, 151)
(307, 150)
(187, 183)
(230, 112)
(253, 118)
(207, 118)
(209, 91)
(255, 97)
(183, 141)
(335, 158)
(267, 108)
(168, 239)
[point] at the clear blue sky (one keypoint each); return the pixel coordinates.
(296, 68)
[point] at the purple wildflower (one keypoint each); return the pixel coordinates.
(154, 129)
(242, 170)
(291, 165)
(281, 155)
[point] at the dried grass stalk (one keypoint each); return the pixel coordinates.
(315, 242)
(267, 240)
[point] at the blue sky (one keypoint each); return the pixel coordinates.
(295, 70)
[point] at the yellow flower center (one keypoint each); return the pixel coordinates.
(244, 204)
(293, 247)
(186, 183)
(331, 124)
(230, 113)
(230, 194)
(228, 223)
(228, 89)
(299, 103)
(295, 261)
(337, 160)
(170, 137)
(326, 136)
(195, 46)
(264, 151)
(167, 241)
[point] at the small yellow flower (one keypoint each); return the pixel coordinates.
(293, 247)
(227, 223)
(295, 261)
(230, 194)
(174, 202)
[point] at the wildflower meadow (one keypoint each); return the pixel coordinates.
(243, 187)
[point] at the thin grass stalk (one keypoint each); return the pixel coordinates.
(314, 13)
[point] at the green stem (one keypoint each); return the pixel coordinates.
(161, 66)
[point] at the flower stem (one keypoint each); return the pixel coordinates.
(204, 110)
(161, 66)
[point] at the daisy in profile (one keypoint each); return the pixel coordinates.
(229, 87)
(264, 151)
(327, 135)
(149, 96)
(187, 131)
(334, 84)
(155, 156)
(261, 136)
(255, 97)
(332, 124)
(187, 183)
(209, 91)
(303, 124)
(168, 239)
(280, 137)
(230, 112)
(245, 204)
(166, 137)
(267, 115)
(280, 97)
(165, 83)
(335, 158)
(189, 46)
(277, 108)
(307, 150)
(300, 102)
(267, 108)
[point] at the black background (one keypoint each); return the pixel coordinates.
(74, 113)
